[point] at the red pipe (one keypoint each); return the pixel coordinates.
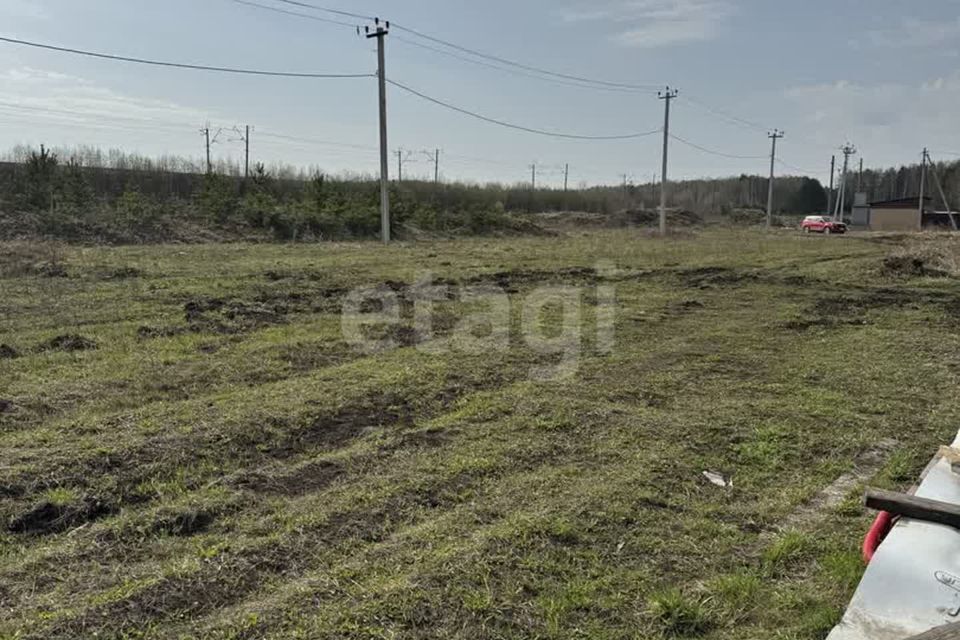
(878, 531)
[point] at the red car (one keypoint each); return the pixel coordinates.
(822, 224)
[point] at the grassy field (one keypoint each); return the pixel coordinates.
(192, 449)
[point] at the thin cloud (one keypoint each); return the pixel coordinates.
(657, 23)
(39, 89)
(913, 32)
(23, 9)
(887, 116)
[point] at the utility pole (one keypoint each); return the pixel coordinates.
(436, 166)
(667, 95)
(209, 142)
(773, 158)
(923, 181)
(848, 150)
(833, 169)
(399, 165)
(379, 32)
(860, 177)
(206, 136)
(246, 154)
(566, 176)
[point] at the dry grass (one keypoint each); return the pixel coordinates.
(31, 258)
(223, 465)
(932, 254)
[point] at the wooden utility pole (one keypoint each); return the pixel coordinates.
(566, 176)
(380, 32)
(533, 176)
(860, 177)
(667, 95)
(399, 165)
(777, 134)
(436, 166)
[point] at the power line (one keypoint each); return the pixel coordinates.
(518, 72)
(800, 169)
(519, 65)
(509, 125)
(179, 65)
(338, 12)
(315, 141)
(308, 16)
(584, 82)
(715, 153)
(725, 115)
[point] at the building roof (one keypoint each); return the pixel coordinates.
(899, 203)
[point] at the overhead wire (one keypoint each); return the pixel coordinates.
(518, 127)
(308, 16)
(314, 141)
(801, 169)
(519, 65)
(714, 152)
(181, 65)
(503, 64)
(513, 71)
(725, 115)
(339, 12)
(582, 81)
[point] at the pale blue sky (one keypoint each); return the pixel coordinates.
(882, 74)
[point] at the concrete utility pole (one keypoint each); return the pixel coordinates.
(206, 136)
(923, 181)
(436, 166)
(379, 32)
(566, 176)
(848, 150)
(773, 158)
(209, 142)
(533, 176)
(399, 165)
(833, 169)
(246, 154)
(667, 95)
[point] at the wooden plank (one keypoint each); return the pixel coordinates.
(914, 507)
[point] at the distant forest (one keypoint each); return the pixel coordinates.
(89, 195)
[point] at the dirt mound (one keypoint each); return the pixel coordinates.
(924, 256)
(232, 316)
(48, 517)
(8, 353)
(184, 523)
(68, 342)
(910, 266)
(651, 217)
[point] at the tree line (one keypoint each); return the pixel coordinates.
(90, 195)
